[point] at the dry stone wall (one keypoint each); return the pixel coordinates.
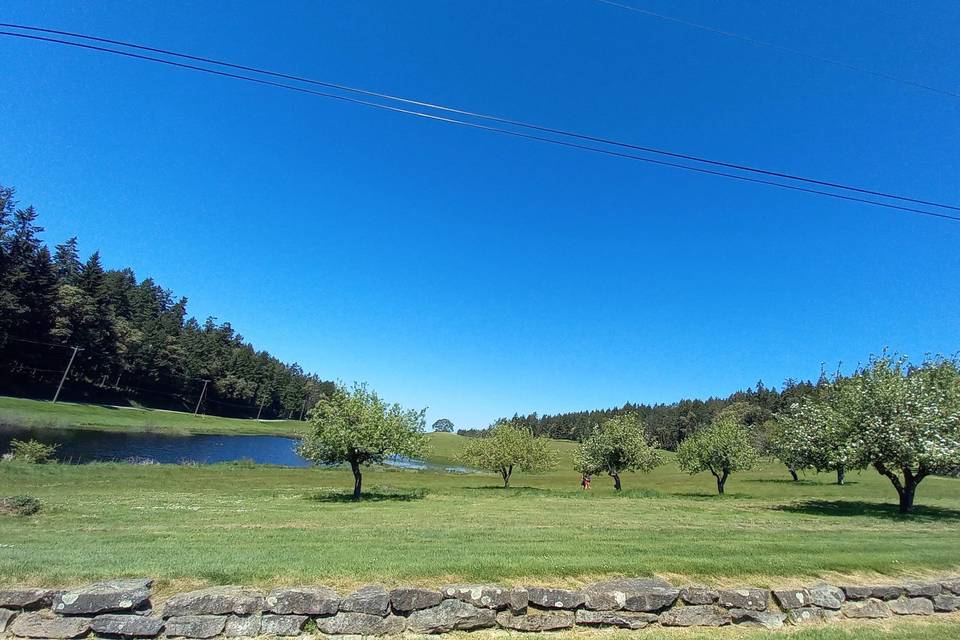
(123, 608)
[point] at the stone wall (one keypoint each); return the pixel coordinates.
(123, 608)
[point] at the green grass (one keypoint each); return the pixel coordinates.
(66, 415)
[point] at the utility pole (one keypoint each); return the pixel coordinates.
(65, 372)
(202, 391)
(304, 409)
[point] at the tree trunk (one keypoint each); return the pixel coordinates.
(906, 497)
(506, 472)
(907, 489)
(793, 474)
(616, 480)
(721, 480)
(841, 474)
(357, 479)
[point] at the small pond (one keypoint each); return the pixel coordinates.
(79, 446)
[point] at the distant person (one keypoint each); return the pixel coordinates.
(585, 481)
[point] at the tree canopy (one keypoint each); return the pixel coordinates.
(617, 445)
(504, 448)
(443, 426)
(355, 426)
(722, 448)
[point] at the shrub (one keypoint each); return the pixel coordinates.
(32, 451)
(19, 505)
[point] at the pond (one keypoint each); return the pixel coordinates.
(79, 446)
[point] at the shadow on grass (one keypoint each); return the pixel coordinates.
(514, 491)
(847, 508)
(383, 494)
(803, 482)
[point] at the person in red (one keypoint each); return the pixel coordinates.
(585, 482)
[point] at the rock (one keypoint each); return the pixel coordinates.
(911, 606)
(103, 597)
(546, 621)
(622, 619)
(519, 599)
(202, 626)
(753, 599)
(923, 589)
(45, 625)
(310, 601)
(126, 624)
(362, 624)
(879, 592)
(450, 615)
(373, 600)
(946, 603)
(810, 614)
(282, 625)
(763, 619)
(405, 600)
(554, 598)
(6, 615)
(701, 615)
(214, 601)
(630, 595)
(26, 598)
(872, 608)
(243, 626)
(827, 596)
(792, 598)
(698, 595)
(950, 584)
(856, 592)
(479, 595)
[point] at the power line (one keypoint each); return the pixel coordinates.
(527, 136)
(780, 47)
(472, 114)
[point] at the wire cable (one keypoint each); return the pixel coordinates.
(488, 128)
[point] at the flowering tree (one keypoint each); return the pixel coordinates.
(357, 427)
(506, 447)
(721, 448)
(903, 421)
(619, 444)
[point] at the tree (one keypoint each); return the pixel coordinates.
(443, 426)
(505, 447)
(357, 427)
(902, 420)
(721, 448)
(617, 445)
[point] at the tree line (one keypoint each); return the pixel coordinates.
(134, 338)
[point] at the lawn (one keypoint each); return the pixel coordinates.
(64, 415)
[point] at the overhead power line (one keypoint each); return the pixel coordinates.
(489, 128)
(780, 47)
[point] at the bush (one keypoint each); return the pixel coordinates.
(19, 505)
(32, 451)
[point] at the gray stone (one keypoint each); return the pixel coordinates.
(479, 595)
(698, 595)
(405, 600)
(872, 608)
(26, 598)
(792, 598)
(103, 597)
(700, 615)
(545, 621)
(126, 624)
(310, 601)
(373, 600)
(214, 601)
(923, 589)
(6, 615)
(46, 625)
(911, 606)
(621, 619)
(810, 614)
(282, 625)
(554, 598)
(630, 595)
(203, 626)
(879, 592)
(243, 626)
(361, 624)
(747, 598)
(856, 592)
(519, 599)
(827, 596)
(950, 584)
(451, 615)
(762, 619)
(946, 603)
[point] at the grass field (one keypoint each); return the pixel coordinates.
(40, 413)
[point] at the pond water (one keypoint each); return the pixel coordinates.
(88, 445)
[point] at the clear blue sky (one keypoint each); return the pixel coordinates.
(481, 275)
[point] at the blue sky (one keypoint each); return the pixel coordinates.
(481, 275)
